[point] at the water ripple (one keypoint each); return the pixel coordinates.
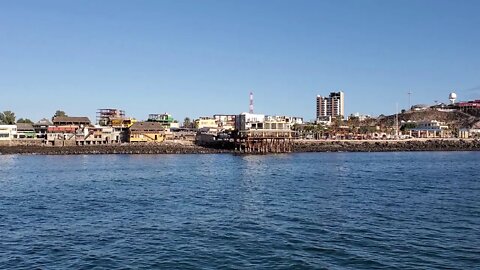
(299, 211)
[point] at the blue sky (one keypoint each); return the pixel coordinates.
(198, 58)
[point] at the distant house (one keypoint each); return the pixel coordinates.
(205, 122)
(420, 107)
(225, 121)
(7, 132)
(165, 119)
(97, 135)
(61, 135)
(324, 120)
(472, 131)
(25, 131)
(71, 121)
(41, 128)
(146, 132)
(430, 129)
(65, 129)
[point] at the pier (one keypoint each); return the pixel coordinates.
(263, 141)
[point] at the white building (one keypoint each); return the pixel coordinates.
(431, 125)
(472, 131)
(361, 117)
(267, 123)
(324, 120)
(430, 129)
(7, 132)
(245, 121)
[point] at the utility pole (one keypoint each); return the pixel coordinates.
(251, 103)
(396, 122)
(409, 100)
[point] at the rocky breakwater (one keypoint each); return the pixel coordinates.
(387, 146)
(161, 148)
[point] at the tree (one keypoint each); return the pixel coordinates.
(187, 122)
(26, 120)
(366, 129)
(408, 126)
(59, 113)
(7, 118)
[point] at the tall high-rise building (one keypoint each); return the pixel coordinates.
(333, 105)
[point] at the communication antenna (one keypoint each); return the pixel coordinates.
(251, 103)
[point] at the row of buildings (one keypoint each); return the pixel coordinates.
(113, 126)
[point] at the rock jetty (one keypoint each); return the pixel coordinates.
(387, 146)
(111, 149)
(298, 147)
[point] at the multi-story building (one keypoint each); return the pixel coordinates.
(249, 122)
(430, 129)
(7, 132)
(41, 128)
(75, 121)
(332, 106)
(205, 122)
(225, 121)
(469, 106)
(164, 119)
(25, 131)
(105, 116)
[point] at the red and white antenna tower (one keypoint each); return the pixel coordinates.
(251, 103)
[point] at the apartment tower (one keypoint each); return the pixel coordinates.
(333, 105)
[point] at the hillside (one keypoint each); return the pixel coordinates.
(455, 119)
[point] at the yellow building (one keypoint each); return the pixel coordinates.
(205, 122)
(146, 132)
(122, 122)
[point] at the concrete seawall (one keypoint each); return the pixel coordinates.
(299, 146)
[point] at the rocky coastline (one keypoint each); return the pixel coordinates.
(298, 147)
(111, 149)
(387, 146)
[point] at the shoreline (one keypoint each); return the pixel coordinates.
(300, 146)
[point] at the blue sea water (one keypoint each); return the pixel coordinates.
(295, 211)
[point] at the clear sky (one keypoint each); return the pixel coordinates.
(198, 58)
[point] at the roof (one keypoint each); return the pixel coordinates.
(25, 127)
(147, 126)
(43, 122)
(420, 106)
(66, 119)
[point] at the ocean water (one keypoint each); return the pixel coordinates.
(295, 211)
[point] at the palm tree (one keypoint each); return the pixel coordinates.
(187, 123)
